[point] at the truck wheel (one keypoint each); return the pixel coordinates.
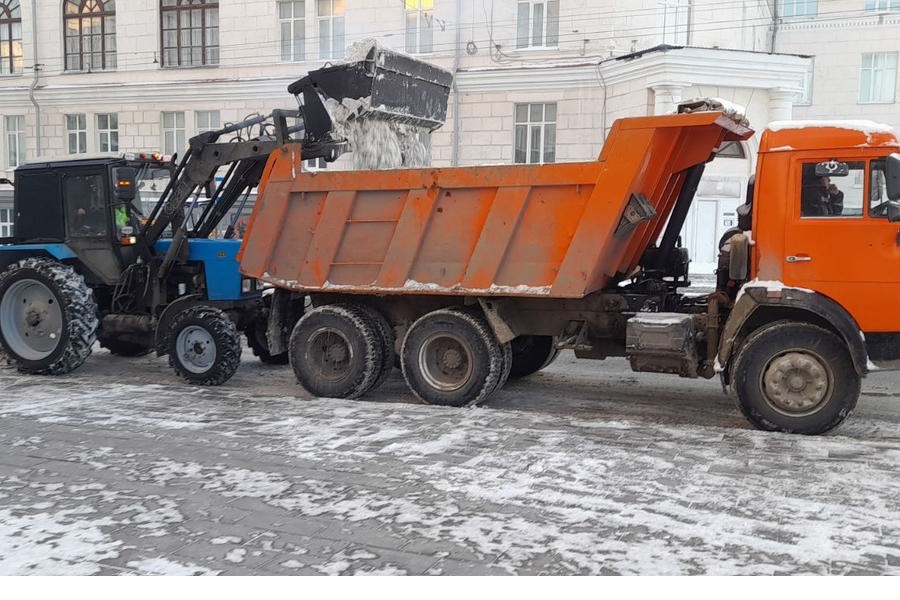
(531, 353)
(256, 339)
(121, 348)
(795, 378)
(451, 358)
(48, 316)
(336, 352)
(204, 345)
(386, 336)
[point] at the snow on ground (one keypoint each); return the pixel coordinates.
(586, 468)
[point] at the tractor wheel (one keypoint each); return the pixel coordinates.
(336, 352)
(795, 378)
(531, 353)
(204, 345)
(48, 316)
(452, 358)
(122, 348)
(256, 339)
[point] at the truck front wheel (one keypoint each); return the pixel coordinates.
(48, 316)
(452, 358)
(795, 378)
(204, 346)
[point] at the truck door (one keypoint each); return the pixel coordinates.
(840, 243)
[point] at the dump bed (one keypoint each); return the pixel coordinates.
(554, 230)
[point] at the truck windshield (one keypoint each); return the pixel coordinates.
(151, 180)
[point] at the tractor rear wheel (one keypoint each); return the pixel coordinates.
(48, 316)
(204, 345)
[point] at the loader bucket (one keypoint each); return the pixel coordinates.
(384, 85)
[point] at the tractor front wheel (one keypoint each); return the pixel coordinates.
(204, 345)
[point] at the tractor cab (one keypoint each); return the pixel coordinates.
(95, 206)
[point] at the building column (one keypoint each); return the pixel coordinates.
(781, 104)
(666, 98)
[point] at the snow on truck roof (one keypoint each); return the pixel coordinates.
(811, 135)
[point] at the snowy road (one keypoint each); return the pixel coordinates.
(585, 468)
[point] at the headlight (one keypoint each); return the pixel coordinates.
(247, 285)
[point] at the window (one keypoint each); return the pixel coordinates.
(800, 8)
(76, 132)
(10, 38)
(291, 15)
(538, 24)
(535, 133)
(108, 132)
(6, 222)
(730, 150)
(675, 21)
(878, 77)
(173, 132)
(85, 198)
(822, 196)
(207, 120)
(15, 141)
(419, 20)
(190, 33)
(883, 5)
(90, 32)
(878, 197)
(330, 19)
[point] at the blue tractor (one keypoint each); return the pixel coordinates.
(121, 250)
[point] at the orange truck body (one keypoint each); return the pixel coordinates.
(552, 230)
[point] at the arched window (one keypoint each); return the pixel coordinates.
(90, 33)
(190, 32)
(10, 37)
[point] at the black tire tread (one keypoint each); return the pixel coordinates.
(766, 341)
(483, 333)
(225, 334)
(350, 316)
(80, 315)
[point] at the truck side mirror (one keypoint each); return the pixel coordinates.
(893, 211)
(892, 176)
(123, 180)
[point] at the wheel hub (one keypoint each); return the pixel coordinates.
(796, 382)
(445, 362)
(197, 349)
(330, 354)
(31, 319)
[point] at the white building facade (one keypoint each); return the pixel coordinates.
(535, 81)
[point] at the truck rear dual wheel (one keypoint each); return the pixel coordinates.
(795, 378)
(450, 357)
(337, 351)
(204, 345)
(48, 316)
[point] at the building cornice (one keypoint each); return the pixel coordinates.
(685, 66)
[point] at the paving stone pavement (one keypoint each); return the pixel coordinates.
(585, 468)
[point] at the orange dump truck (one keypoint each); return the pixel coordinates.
(467, 276)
